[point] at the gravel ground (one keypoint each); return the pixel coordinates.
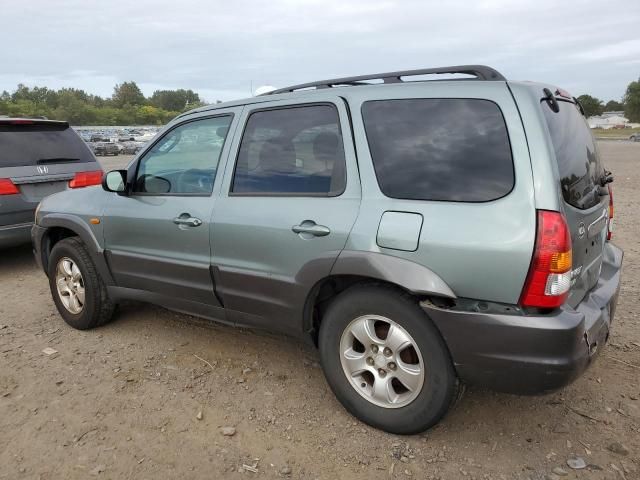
(153, 394)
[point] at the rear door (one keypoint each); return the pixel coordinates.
(39, 158)
(290, 198)
(585, 200)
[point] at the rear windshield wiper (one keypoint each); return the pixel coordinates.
(57, 160)
(606, 178)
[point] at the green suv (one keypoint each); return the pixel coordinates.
(422, 234)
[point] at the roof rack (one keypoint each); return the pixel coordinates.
(481, 72)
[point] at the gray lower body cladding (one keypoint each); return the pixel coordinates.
(12, 235)
(532, 354)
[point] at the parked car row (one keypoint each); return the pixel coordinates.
(108, 148)
(421, 234)
(103, 148)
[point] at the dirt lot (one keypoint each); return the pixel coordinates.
(147, 396)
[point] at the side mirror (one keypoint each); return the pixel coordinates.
(115, 181)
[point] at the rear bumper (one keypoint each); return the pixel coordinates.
(12, 235)
(531, 354)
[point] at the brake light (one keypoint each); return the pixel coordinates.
(610, 223)
(86, 179)
(7, 187)
(549, 277)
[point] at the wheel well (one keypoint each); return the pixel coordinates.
(53, 236)
(326, 290)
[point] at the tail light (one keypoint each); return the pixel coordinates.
(610, 223)
(7, 187)
(86, 179)
(549, 277)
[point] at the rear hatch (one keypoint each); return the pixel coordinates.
(585, 199)
(39, 157)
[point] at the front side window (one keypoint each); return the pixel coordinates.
(294, 150)
(185, 160)
(447, 149)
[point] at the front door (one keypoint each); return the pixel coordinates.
(285, 210)
(157, 237)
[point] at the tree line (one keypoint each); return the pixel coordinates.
(127, 105)
(630, 104)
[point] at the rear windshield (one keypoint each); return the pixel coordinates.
(28, 145)
(450, 149)
(576, 153)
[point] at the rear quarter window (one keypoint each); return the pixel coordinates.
(449, 149)
(576, 154)
(28, 145)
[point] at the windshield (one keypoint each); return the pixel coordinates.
(576, 153)
(28, 145)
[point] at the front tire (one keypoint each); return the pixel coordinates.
(385, 360)
(78, 291)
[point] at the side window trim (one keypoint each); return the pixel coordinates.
(150, 147)
(243, 129)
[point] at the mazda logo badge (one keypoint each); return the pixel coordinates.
(42, 169)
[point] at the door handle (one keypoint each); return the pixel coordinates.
(310, 228)
(188, 220)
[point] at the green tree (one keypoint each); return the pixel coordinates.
(613, 106)
(591, 105)
(175, 100)
(127, 107)
(632, 102)
(127, 93)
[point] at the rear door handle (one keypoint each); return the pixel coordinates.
(188, 220)
(310, 228)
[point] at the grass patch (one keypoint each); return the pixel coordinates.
(615, 132)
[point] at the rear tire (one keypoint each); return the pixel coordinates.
(418, 383)
(78, 291)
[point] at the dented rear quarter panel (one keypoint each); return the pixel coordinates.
(480, 250)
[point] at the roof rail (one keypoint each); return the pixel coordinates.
(481, 72)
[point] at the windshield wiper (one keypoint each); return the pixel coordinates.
(606, 177)
(57, 160)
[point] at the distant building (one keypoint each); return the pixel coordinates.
(608, 120)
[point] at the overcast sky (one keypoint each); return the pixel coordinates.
(221, 48)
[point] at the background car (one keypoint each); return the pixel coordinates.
(38, 158)
(106, 148)
(131, 148)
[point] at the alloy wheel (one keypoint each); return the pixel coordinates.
(70, 285)
(382, 361)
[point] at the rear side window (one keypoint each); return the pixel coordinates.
(28, 145)
(576, 153)
(293, 150)
(439, 149)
